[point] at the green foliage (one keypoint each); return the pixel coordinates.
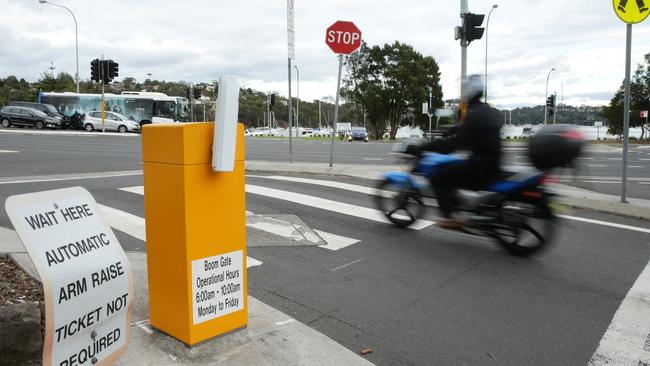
(389, 84)
(13, 89)
(565, 114)
(639, 101)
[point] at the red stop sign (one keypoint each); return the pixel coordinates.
(343, 37)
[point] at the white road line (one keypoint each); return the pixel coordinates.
(601, 181)
(618, 159)
(635, 166)
(329, 205)
(135, 226)
(644, 159)
(252, 262)
(63, 178)
(366, 190)
(373, 159)
(8, 151)
(605, 223)
(319, 182)
(627, 339)
(335, 242)
(596, 166)
(125, 222)
(347, 265)
(137, 190)
(644, 183)
(586, 158)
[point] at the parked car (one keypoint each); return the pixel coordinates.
(21, 116)
(48, 109)
(113, 121)
(358, 133)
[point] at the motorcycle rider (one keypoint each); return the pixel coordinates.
(479, 134)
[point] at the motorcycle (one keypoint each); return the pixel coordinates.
(515, 210)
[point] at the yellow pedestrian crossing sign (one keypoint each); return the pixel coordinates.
(631, 11)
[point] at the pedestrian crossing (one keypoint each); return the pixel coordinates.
(134, 225)
(334, 242)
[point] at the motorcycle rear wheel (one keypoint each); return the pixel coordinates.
(523, 228)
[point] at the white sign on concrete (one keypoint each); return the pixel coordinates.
(87, 279)
(598, 124)
(217, 286)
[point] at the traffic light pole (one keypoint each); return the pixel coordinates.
(192, 102)
(554, 107)
(101, 72)
(464, 8)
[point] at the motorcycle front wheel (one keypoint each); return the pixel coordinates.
(524, 227)
(401, 205)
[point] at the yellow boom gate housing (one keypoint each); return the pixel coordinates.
(196, 233)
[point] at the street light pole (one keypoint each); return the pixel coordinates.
(546, 98)
(487, 26)
(297, 98)
(76, 37)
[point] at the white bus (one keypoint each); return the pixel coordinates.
(142, 107)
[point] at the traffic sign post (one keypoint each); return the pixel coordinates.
(630, 13)
(343, 38)
(86, 276)
(292, 56)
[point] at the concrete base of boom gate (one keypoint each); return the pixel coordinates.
(279, 230)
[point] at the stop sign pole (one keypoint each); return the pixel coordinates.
(343, 38)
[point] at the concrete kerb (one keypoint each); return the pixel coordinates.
(571, 196)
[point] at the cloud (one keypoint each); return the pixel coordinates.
(199, 40)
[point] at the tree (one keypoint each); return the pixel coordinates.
(389, 84)
(12, 89)
(63, 82)
(639, 101)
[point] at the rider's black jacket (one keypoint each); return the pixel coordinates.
(480, 135)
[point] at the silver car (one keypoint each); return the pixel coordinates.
(112, 122)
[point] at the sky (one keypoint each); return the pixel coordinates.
(201, 40)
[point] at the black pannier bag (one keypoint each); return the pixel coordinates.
(555, 146)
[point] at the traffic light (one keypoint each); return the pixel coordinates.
(197, 93)
(471, 27)
(94, 70)
(187, 93)
(272, 101)
(113, 70)
(549, 101)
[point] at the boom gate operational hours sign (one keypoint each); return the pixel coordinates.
(87, 279)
